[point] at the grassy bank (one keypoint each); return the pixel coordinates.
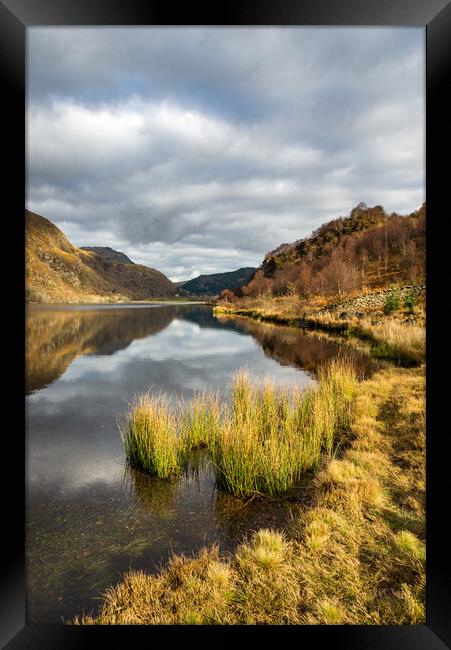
(174, 299)
(355, 556)
(387, 338)
(261, 439)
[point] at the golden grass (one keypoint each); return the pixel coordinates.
(363, 545)
(289, 306)
(260, 441)
(389, 338)
(150, 437)
(355, 556)
(399, 339)
(200, 420)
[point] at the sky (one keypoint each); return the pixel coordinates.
(198, 150)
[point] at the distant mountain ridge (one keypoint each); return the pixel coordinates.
(213, 284)
(56, 271)
(108, 253)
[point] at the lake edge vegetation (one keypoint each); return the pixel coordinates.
(261, 440)
(355, 556)
(391, 339)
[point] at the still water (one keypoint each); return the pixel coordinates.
(89, 517)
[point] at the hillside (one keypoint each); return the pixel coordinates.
(109, 254)
(213, 284)
(57, 271)
(366, 250)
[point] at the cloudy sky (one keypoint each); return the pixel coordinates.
(198, 150)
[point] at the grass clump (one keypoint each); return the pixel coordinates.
(272, 436)
(257, 585)
(408, 544)
(267, 586)
(189, 591)
(260, 440)
(200, 420)
(149, 436)
(330, 613)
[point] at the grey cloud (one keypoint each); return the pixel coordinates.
(199, 150)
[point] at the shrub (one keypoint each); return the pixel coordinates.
(410, 301)
(227, 295)
(392, 303)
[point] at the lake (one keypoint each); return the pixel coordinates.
(90, 518)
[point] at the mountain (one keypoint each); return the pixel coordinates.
(213, 284)
(367, 249)
(57, 271)
(109, 254)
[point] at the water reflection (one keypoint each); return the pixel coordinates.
(57, 336)
(149, 493)
(299, 348)
(89, 518)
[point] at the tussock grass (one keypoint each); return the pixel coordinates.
(190, 591)
(200, 420)
(355, 555)
(257, 585)
(260, 440)
(149, 435)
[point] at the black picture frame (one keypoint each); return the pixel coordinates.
(15, 17)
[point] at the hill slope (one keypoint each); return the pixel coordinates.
(58, 271)
(216, 282)
(367, 249)
(109, 254)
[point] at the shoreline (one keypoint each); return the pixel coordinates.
(131, 303)
(379, 346)
(355, 556)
